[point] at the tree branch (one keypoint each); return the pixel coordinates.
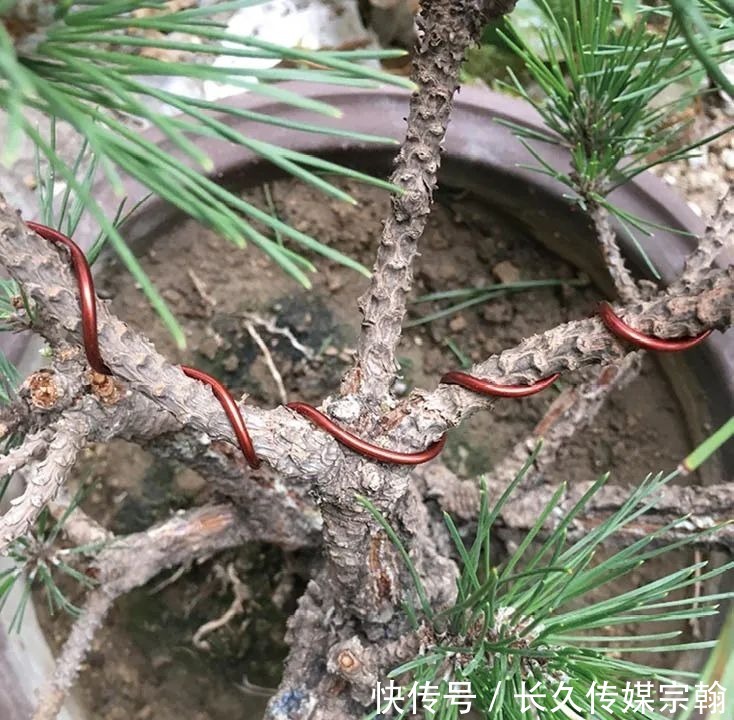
(77, 646)
(718, 234)
(625, 285)
(709, 303)
(704, 507)
(572, 411)
(445, 31)
(45, 477)
(280, 436)
(33, 446)
(130, 562)
(79, 527)
(289, 442)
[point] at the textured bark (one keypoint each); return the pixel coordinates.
(96, 607)
(445, 31)
(709, 303)
(718, 235)
(283, 514)
(704, 506)
(129, 562)
(348, 629)
(287, 441)
(570, 413)
(69, 435)
(281, 437)
(624, 283)
(360, 587)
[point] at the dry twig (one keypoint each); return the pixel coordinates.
(130, 562)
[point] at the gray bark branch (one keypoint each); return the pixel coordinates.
(709, 303)
(704, 506)
(445, 31)
(45, 477)
(719, 234)
(572, 411)
(129, 562)
(624, 283)
(287, 441)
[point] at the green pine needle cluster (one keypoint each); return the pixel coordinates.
(706, 27)
(38, 560)
(62, 205)
(9, 377)
(12, 299)
(9, 381)
(88, 70)
(536, 620)
(603, 72)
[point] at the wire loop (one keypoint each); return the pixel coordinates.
(87, 299)
(375, 452)
(487, 387)
(232, 411)
(90, 334)
(623, 331)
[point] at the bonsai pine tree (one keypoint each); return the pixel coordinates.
(390, 606)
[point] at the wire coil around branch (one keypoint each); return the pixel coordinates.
(90, 335)
(623, 331)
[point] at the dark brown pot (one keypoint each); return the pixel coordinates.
(483, 156)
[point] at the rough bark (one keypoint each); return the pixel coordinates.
(129, 562)
(348, 629)
(445, 31)
(68, 437)
(718, 235)
(625, 285)
(572, 411)
(287, 441)
(704, 506)
(569, 347)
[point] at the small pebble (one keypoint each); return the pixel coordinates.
(189, 482)
(231, 363)
(506, 272)
(701, 160)
(497, 312)
(696, 208)
(703, 179)
(727, 157)
(457, 324)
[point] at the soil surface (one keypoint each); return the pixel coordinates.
(144, 664)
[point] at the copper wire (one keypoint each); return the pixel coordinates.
(623, 331)
(88, 307)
